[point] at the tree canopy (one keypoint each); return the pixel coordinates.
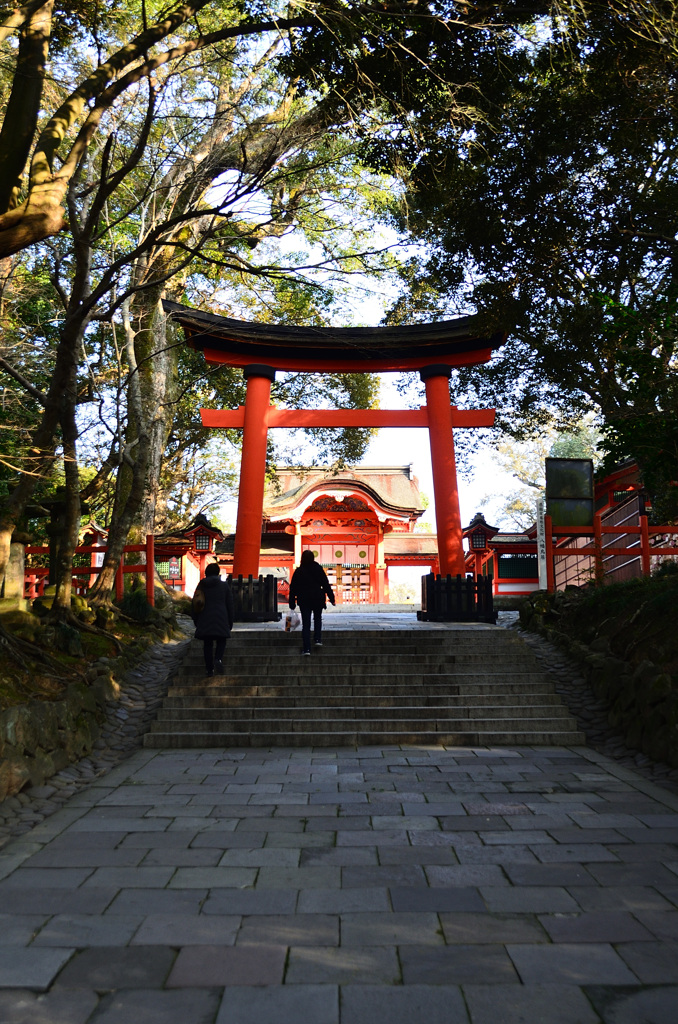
(244, 156)
(555, 216)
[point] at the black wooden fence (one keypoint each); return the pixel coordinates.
(456, 599)
(255, 598)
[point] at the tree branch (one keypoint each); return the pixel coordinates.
(21, 114)
(18, 18)
(23, 381)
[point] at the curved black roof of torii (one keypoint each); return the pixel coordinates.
(335, 349)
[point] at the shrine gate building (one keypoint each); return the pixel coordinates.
(358, 523)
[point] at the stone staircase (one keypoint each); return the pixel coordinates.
(460, 687)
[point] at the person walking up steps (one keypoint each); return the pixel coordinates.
(213, 611)
(309, 589)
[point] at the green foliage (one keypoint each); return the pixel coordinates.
(636, 617)
(524, 461)
(136, 606)
(554, 216)
(193, 187)
(666, 568)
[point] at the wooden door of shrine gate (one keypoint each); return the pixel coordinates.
(263, 349)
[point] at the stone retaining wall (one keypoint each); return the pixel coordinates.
(642, 699)
(39, 738)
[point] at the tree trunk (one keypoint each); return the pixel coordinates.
(40, 456)
(157, 370)
(131, 476)
(128, 496)
(68, 541)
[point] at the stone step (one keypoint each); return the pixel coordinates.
(363, 638)
(347, 645)
(405, 639)
(359, 700)
(503, 737)
(361, 688)
(431, 712)
(455, 687)
(355, 678)
(327, 653)
(427, 723)
(357, 667)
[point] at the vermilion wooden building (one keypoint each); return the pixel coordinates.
(509, 558)
(358, 522)
(181, 556)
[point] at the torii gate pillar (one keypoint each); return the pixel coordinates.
(253, 469)
(445, 488)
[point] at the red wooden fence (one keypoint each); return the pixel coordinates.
(592, 546)
(36, 576)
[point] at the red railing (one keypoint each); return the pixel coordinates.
(593, 553)
(35, 577)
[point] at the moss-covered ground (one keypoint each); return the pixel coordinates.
(36, 663)
(639, 618)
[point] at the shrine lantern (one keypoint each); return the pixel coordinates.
(478, 540)
(204, 538)
(203, 541)
(478, 534)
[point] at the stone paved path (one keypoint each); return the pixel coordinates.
(247, 887)
(339, 887)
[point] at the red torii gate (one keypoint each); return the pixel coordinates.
(262, 349)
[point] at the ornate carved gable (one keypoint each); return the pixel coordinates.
(350, 503)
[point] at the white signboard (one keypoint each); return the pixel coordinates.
(541, 544)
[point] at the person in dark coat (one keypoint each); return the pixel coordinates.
(213, 612)
(309, 588)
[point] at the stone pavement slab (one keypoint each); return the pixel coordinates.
(576, 963)
(113, 967)
(248, 901)
(423, 887)
(184, 1006)
(370, 965)
(460, 964)
(81, 930)
(19, 929)
(283, 930)
(186, 930)
(521, 1004)
(31, 968)
(630, 1005)
(216, 966)
(598, 926)
(336, 901)
(652, 962)
(487, 928)
(60, 1006)
(290, 1004)
(440, 1004)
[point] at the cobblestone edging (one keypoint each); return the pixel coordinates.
(126, 721)
(591, 713)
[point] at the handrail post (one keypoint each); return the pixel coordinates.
(550, 571)
(598, 547)
(150, 569)
(645, 546)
